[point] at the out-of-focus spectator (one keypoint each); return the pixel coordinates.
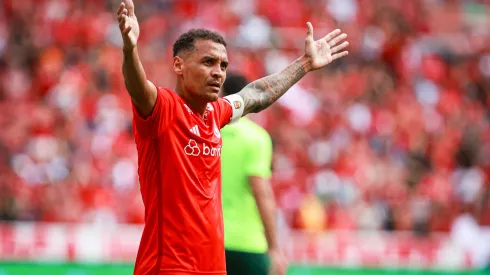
(397, 139)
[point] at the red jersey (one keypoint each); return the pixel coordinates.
(179, 170)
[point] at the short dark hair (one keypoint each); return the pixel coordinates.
(234, 83)
(186, 40)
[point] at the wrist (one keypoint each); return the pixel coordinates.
(305, 62)
(273, 250)
(129, 49)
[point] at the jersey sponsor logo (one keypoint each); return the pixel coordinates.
(237, 104)
(195, 130)
(192, 149)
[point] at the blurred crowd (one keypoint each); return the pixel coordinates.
(396, 136)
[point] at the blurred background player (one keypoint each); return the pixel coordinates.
(249, 207)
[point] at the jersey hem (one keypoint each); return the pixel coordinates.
(247, 249)
(184, 272)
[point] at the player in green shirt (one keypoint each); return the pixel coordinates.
(249, 208)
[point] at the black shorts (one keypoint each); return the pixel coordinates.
(244, 263)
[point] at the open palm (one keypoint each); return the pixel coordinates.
(325, 50)
(128, 24)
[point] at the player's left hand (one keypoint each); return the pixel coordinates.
(324, 50)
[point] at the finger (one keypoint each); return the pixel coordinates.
(340, 47)
(130, 7)
(122, 19)
(127, 30)
(340, 55)
(122, 24)
(309, 34)
(337, 39)
(122, 15)
(331, 35)
(121, 8)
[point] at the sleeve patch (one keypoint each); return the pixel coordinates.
(237, 105)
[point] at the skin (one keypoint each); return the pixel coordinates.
(257, 96)
(206, 64)
(201, 73)
(266, 205)
(261, 93)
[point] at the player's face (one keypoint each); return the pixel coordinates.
(204, 70)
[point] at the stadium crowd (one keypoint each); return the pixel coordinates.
(396, 136)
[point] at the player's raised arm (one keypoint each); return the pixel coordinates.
(142, 92)
(261, 93)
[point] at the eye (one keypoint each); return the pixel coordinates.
(207, 62)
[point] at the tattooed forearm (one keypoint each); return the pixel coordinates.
(261, 93)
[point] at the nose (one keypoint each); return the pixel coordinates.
(217, 72)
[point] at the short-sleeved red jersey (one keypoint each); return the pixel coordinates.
(179, 170)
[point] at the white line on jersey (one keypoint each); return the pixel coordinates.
(216, 131)
(195, 130)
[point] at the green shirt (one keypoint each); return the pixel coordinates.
(247, 151)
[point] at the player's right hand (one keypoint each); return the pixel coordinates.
(128, 24)
(279, 264)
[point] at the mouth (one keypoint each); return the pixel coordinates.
(215, 86)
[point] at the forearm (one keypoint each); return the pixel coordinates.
(266, 206)
(267, 210)
(134, 75)
(261, 93)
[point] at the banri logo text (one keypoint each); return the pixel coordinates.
(194, 149)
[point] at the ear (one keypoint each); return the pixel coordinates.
(178, 65)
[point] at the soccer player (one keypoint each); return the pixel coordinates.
(249, 208)
(177, 135)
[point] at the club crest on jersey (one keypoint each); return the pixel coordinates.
(216, 132)
(237, 104)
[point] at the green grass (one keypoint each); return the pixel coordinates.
(321, 270)
(33, 268)
(23, 268)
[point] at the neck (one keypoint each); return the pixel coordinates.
(198, 106)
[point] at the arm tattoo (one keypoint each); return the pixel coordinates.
(261, 93)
